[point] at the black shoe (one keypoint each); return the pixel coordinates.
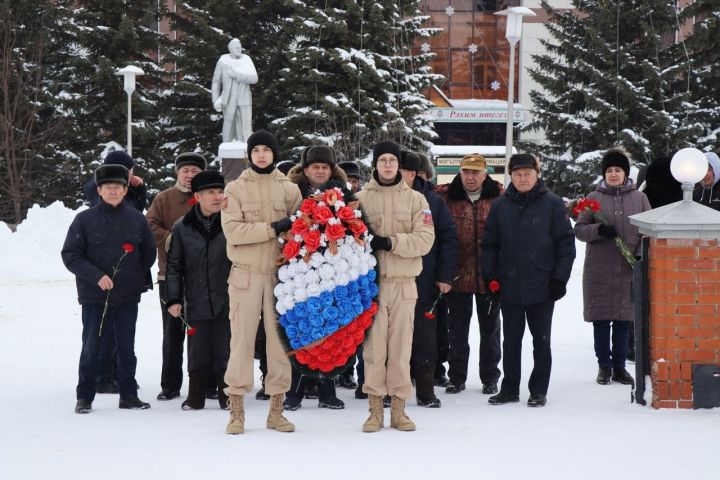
(502, 398)
(431, 403)
(188, 405)
(630, 355)
(454, 388)
(107, 387)
(489, 388)
(536, 400)
(347, 380)
(211, 393)
(359, 394)
(333, 403)
(441, 381)
(168, 395)
(603, 376)
(133, 403)
(311, 392)
(386, 401)
(261, 395)
(83, 406)
(292, 403)
(621, 375)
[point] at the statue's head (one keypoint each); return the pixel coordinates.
(235, 47)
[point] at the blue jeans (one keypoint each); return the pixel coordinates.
(123, 318)
(611, 357)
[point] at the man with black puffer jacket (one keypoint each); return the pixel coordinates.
(196, 277)
(528, 252)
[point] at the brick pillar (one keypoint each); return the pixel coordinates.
(684, 308)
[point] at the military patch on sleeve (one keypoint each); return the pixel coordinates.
(224, 203)
(427, 217)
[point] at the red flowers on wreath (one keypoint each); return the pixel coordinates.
(312, 240)
(300, 227)
(322, 214)
(291, 249)
(308, 206)
(335, 231)
(346, 214)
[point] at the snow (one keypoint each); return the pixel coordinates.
(586, 430)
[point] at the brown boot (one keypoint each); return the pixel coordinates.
(275, 419)
(237, 415)
(398, 419)
(376, 420)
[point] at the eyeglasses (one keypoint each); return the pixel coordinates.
(388, 161)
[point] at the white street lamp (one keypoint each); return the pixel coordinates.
(129, 72)
(513, 33)
(688, 166)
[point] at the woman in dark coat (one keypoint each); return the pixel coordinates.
(607, 275)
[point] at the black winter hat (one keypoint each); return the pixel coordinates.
(111, 174)
(263, 137)
(522, 160)
(191, 159)
(285, 166)
(351, 169)
(383, 147)
(118, 157)
(207, 179)
(318, 154)
(410, 161)
(615, 158)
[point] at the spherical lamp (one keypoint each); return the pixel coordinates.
(688, 166)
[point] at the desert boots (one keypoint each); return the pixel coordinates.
(398, 419)
(275, 419)
(376, 419)
(236, 424)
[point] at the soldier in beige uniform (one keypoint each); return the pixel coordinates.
(255, 211)
(402, 226)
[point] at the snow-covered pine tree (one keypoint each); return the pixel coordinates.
(607, 80)
(350, 79)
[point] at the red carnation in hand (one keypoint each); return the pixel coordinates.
(291, 249)
(335, 232)
(494, 286)
(429, 315)
(128, 247)
(191, 331)
(308, 206)
(322, 214)
(346, 214)
(312, 240)
(299, 227)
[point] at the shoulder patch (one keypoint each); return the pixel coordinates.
(427, 217)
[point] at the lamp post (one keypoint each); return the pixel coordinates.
(129, 72)
(513, 32)
(688, 166)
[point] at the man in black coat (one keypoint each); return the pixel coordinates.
(439, 267)
(110, 249)
(528, 252)
(196, 276)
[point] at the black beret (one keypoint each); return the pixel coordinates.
(190, 159)
(523, 160)
(207, 179)
(111, 174)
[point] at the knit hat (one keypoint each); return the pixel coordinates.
(615, 158)
(318, 154)
(523, 160)
(383, 147)
(351, 169)
(118, 157)
(474, 161)
(285, 166)
(263, 137)
(111, 174)
(207, 179)
(410, 161)
(190, 159)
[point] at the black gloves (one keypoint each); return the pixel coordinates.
(281, 226)
(607, 231)
(557, 289)
(380, 243)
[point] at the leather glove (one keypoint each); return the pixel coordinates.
(607, 231)
(557, 289)
(381, 243)
(281, 226)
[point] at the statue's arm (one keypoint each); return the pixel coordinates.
(216, 87)
(252, 76)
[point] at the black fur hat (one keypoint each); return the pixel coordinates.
(263, 137)
(118, 157)
(111, 174)
(410, 161)
(615, 158)
(285, 166)
(351, 169)
(207, 179)
(318, 154)
(191, 159)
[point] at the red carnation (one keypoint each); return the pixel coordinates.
(494, 286)
(299, 227)
(346, 214)
(291, 249)
(335, 232)
(312, 240)
(128, 247)
(191, 331)
(357, 227)
(429, 315)
(192, 201)
(322, 214)
(308, 206)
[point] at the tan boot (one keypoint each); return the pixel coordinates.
(398, 419)
(276, 420)
(376, 420)
(237, 415)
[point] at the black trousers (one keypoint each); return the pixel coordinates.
(443, 345)
(171, 377)
(424, 343)
(326, 387)
(209, 348)
(539, 321)
(460, 313)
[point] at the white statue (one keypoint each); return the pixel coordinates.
(234, 73)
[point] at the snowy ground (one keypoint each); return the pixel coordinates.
(586, 431)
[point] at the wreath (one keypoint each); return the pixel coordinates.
(325, 297)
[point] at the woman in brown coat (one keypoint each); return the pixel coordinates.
(607, 275)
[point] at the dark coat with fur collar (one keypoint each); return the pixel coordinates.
(297, 176)
(198, 268)
(469, 218)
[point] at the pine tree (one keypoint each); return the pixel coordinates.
(607, 79)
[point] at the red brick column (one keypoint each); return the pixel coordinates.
(684, 308)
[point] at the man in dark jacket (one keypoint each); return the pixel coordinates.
(317, 168)
(439, 266)
(469, 198)
(528, 252)
(707, 191)
(110, 249)
(355, 179)
(196, 276)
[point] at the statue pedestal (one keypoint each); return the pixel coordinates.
(233, 159)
